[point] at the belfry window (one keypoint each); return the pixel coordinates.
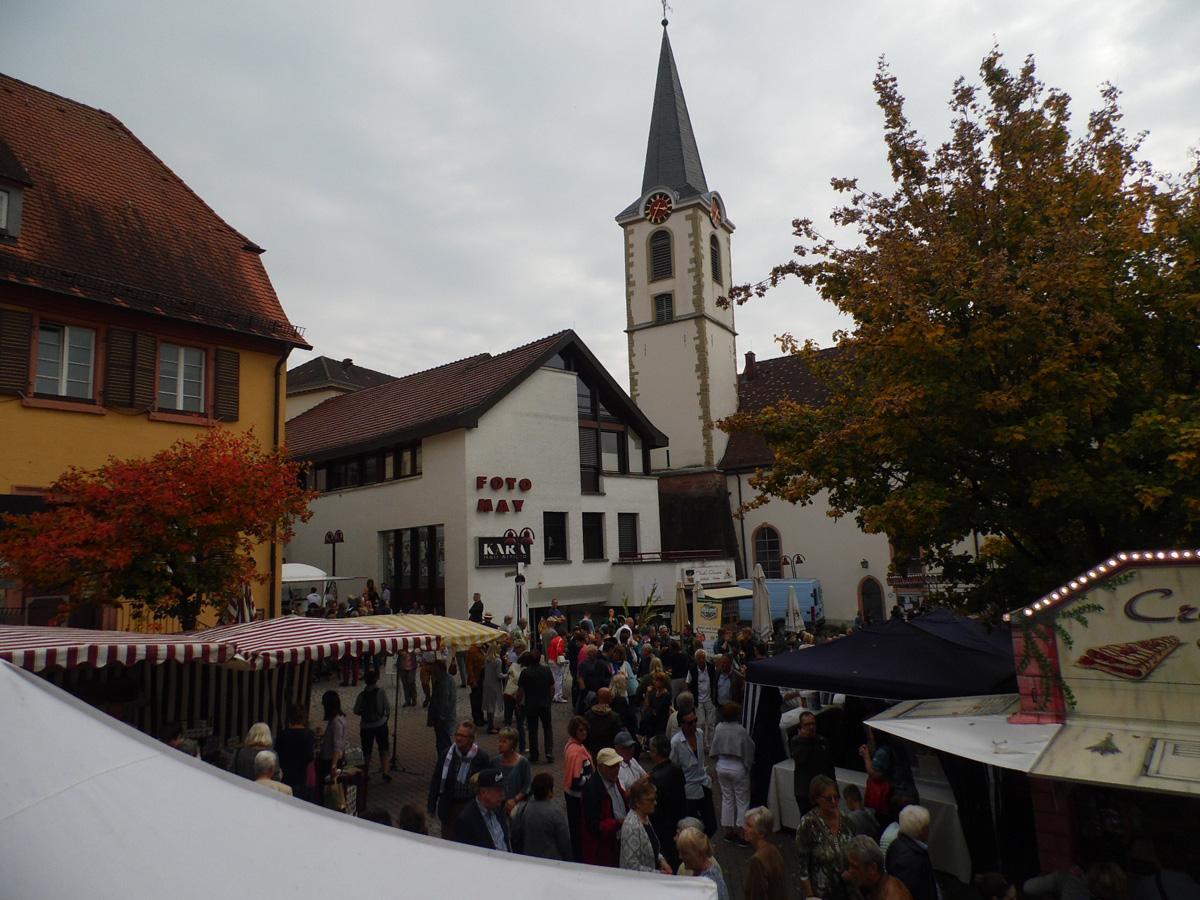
(714, 247)
(661, 264)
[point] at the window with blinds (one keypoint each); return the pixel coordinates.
(664, 308)
(627, 534)
(589, 460)
(661, 265)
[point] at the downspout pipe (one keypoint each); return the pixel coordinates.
(280, 368)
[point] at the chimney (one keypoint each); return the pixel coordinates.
(346, 364)
(751, 371)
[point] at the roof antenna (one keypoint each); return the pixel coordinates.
(666, 7)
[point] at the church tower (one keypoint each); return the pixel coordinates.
(682, 362)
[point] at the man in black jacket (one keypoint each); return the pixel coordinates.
(908, 856)
(450, 786)
(482, 822)
(811, 756)
(668, 778)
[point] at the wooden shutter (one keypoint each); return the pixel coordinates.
(228, 365)
(16, 332)
(714, 247)
(660, 256)
(664, 309)
(129, 368)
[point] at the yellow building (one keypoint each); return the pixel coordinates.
(131, 314)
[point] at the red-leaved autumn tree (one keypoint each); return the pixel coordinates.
(170, 534)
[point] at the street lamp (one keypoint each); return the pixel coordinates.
(793, 561)
(525, 538)
(333, 538)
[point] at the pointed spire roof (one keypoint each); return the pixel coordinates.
(672, 157)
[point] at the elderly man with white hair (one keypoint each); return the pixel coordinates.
(265, 764)
(908, 855)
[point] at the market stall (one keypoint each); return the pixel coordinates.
(455, 633)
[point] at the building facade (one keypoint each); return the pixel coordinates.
(453, 481)
(131, 315)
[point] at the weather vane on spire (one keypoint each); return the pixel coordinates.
(666, 7)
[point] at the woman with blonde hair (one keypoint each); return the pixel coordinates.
(257, 738)
(696, 852)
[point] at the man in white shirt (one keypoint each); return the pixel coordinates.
(702, 682)
(631, 770)
(314, 596)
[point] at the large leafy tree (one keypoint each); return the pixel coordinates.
(170, 534)
(1023, 365)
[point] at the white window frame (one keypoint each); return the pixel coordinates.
(172, 358)
(65, 380)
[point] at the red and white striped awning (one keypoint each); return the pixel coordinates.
(36, 648)
(292, 639)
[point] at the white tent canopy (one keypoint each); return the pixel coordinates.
(299, 573)
(138, 818)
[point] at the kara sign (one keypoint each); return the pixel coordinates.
(495, 551)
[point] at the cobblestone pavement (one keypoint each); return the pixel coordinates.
(415, 752)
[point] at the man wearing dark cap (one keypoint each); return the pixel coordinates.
(631, 769)
(482, 823)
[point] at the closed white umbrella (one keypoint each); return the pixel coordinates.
(794, 621)
(679, 618)
(761, 621)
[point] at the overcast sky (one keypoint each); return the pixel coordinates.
(432, 180)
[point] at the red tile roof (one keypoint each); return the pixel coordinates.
(786, 377)
(324, 372)
(104, 219)
(438, 400)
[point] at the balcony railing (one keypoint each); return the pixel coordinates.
(670, 556)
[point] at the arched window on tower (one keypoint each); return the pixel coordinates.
(714, 249)
(766, 551)
(661, 265)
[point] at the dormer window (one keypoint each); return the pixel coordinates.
(10, 211)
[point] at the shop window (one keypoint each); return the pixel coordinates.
(66, 361)
(181, 378)
(627, 534)
(766, 551)
(554, 536)
(593, 536)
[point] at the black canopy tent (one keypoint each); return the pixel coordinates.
(938, 654)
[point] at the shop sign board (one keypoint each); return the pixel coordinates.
(1132, 651)
(495, 551)
(706, 618)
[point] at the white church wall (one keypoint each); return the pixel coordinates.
(833, 549)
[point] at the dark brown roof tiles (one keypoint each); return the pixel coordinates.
(786, 377)
(106, 220)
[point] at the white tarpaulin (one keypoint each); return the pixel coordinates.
(99, 810)
(973, 727)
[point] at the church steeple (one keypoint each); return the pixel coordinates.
(682, 361)
(672, 157)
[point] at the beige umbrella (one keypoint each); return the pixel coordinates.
(762, 606)
(679, 618)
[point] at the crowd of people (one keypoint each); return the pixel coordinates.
(655, 718)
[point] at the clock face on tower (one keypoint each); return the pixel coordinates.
(658, 208)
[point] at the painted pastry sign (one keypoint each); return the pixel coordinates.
(1134, 659)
